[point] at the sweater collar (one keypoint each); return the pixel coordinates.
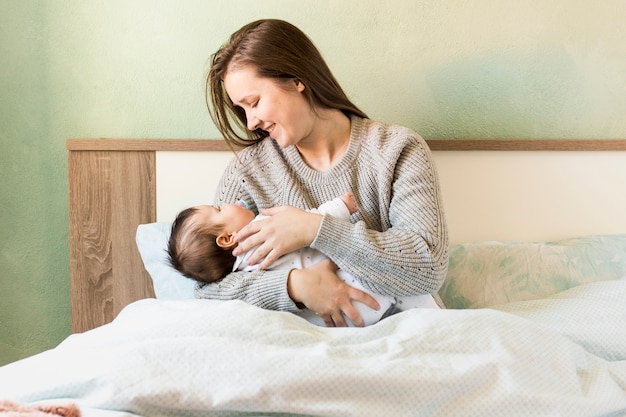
(345, 163)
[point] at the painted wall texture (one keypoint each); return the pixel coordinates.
(134, 69)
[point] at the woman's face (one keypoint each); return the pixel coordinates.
(279, 109)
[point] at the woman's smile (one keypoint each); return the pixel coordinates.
(264, 99)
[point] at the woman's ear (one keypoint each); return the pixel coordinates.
(226, 241)
(299, 86)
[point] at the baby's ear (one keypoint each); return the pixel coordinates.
(226, 241)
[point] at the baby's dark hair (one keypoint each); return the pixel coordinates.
(193, 250)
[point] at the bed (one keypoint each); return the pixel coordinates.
(535, 297)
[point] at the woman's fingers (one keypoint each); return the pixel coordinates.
(260, 236)
(344, 310)
(350, 312)
(354, 316)
(284, 230)
(264, 254)
(248, 237)
(365, 298)
(269, 259)
(335, 320)
(319, 288)
(328, 321)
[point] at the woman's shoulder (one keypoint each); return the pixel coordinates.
(386, 137)
(259, 153)
(259, 149)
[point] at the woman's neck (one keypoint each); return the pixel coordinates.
(328, 142)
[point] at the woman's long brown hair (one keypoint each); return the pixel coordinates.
(275, 49)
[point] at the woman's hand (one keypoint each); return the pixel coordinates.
(319, 289)
(285, 230)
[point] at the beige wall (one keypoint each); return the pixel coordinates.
(134, 68)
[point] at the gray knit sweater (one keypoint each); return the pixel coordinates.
(397, 242)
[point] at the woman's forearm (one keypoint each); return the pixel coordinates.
(265, 289)
(395, 262)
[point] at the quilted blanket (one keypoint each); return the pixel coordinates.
(563, 356)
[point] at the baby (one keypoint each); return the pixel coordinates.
(202, 240)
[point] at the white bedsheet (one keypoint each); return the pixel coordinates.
(211, 358)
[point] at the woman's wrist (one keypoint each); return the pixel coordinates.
(292, 288)
(314, 224)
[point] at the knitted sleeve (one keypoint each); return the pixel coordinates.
(265, 289)
(408, 255)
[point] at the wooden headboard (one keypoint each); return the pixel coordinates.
(492, 190)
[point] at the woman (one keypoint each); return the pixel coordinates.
(305, 142)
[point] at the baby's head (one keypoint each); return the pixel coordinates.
(202, 239)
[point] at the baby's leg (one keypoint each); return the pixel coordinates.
(369, 315)
(416, 301)
(311, 317)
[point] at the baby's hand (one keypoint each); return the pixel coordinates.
(350, 202)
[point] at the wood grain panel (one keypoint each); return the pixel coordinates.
(527, 144)
(110, 194)
(434, 144)
(147, 145)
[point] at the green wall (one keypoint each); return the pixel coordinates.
(134, 69)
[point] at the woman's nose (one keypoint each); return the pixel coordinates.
(253, 121)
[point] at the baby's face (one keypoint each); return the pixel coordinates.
(233, 217)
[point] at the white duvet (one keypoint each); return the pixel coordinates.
(563, 356)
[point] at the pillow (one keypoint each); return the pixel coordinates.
(169, 284)
(491, 273)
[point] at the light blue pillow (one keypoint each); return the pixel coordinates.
(491, 273)
(169, 284)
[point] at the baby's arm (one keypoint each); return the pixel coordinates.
(340, 207)
(350, 202)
